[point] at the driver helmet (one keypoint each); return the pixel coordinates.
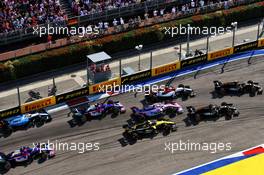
(23, 149)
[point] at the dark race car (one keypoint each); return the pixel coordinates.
(23, 122)
(237, 88)
(169, 93)
(149, 128)
(97, 111)
(210, 112)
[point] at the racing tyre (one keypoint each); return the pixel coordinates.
(115, 112)
(29, 161)
(43, 157)
(228, 117)
(71, 123)
(197, 118)
(252, 92)
(260, 92)
(236, 114)
(171, 112)
(39, 122)
(5, 168)
(181, 86)
(167, 130)
(131, 137)
(223, 104)
(250, 82)
(138, 118)
(7, 132)
(49, 119)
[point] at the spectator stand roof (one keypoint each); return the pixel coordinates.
(99, 57)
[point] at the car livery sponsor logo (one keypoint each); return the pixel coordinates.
(261, 43)
(100, 87)
(38, 104)
(136, 77)
(245, 47)
(193, 61)
(10, 112)
(165, 68)
(221, 53)
(70, 95)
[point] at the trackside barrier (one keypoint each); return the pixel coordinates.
(38, 104)
(220, 53)
(10, 112)
(129, 79)
(166, 68)
(101, 87)
(246, 47)
(71, 95)
(193, 61)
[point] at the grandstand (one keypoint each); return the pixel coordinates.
(17, 17)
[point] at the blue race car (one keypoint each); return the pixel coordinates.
(23, 122)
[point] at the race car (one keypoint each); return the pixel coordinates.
(5, 165)
(26, 155)
(42, 152)
(237, 88)
(103, 109)
(211, 112)
(149, 128)
(156, 110)
(23, 122)
(97, 111)
(170, 92)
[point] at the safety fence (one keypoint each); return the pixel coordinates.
(131, 79)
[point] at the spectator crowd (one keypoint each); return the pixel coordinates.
(86, 7)
(19, 14)
(158, 14)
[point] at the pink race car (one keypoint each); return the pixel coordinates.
(156, 110)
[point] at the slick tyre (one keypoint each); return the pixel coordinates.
(115, 112)
(7, 132)
(166, 130)
(171, 112)
(253, 92)
(181, 86)
(29, 161)
(38, 123)
(228, 117)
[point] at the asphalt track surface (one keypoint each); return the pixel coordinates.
(148, 156)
